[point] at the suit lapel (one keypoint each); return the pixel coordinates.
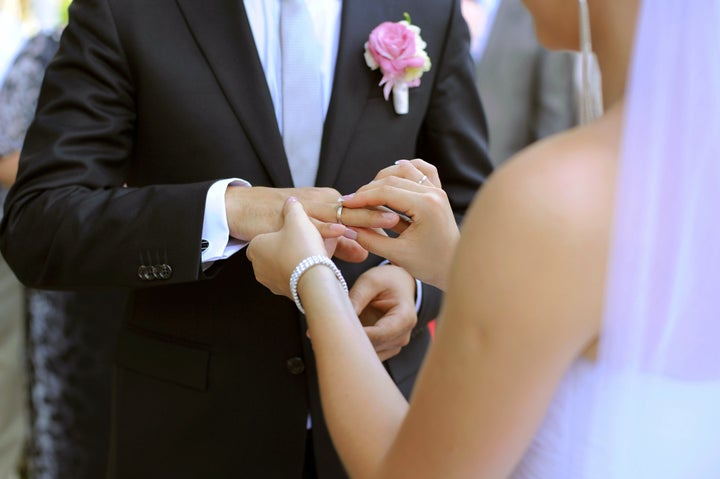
(223, 33)
(351, 84)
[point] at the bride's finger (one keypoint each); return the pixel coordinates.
(417, 171)
(379, 244)
(397, 182)
(429, 170)
(399, 199)
(401, 169)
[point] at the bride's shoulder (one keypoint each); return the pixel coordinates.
(551, 203)
(570, 176)
(540, 229)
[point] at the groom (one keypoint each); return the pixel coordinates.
(154, 120)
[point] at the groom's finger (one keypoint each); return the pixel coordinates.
(337, 213)
(361, 294)
(369, 218)
(388, 335)
(350, 251)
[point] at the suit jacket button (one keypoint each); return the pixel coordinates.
(295, 365)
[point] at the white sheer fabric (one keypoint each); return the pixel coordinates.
(649, 407)
(655, 405)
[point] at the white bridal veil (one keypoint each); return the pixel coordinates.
(656, 410)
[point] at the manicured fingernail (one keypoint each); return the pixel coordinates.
(389, 216)
(346, 197)
(400, 162)
(350, 234)
(291, 199)
(336, 228)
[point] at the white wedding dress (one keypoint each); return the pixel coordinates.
(549, 454)
(567, 446)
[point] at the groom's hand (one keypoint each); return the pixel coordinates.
(384, 299)
(256, 210)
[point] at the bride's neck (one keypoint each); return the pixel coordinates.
(613, 29)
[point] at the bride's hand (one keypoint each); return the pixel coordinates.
(424, 246)
(275, 255)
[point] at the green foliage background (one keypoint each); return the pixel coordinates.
(64, 11)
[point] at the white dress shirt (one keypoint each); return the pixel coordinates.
(489, 8)
(264, 17)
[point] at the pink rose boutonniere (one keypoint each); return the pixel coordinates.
(398, 50)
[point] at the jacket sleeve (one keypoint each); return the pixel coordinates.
(70, 220)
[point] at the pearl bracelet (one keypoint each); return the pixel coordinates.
(305, 265)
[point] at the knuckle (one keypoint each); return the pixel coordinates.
(330, 192)
(391, 181)
(429, 167)
(437, 197)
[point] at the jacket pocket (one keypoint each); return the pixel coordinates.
(163, 359)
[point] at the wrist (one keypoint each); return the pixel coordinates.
(234, 197)
(250, 212)
(307, 269)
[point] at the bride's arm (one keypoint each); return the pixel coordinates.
(523, 301)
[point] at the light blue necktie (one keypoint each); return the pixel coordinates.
(301, 92)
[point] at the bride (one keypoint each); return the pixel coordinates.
(581, 313)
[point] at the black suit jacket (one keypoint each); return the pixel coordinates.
(146, 105)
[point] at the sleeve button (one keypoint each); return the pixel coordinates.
(164, 271)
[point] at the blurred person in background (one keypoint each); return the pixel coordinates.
(13, 405)
(528, 92)
(11, 35)
(70, 334)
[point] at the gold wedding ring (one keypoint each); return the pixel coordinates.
(422, 180)
(338, 213)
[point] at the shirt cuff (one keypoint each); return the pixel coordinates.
(216, 241)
